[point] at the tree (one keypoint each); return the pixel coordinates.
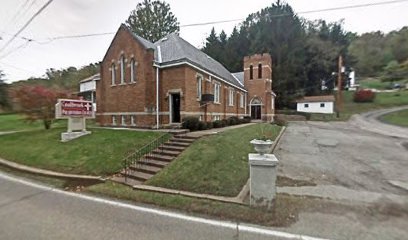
(4, 102)
(38, 103)
(152, 20)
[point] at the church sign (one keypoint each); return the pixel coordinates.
(76, 111)
(74, 108)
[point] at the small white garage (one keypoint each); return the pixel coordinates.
(316, 104)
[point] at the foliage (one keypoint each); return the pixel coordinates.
(191, 123)
(218, 124)
(233, 120)
(395, 71)
(153, 20)
(364, 95)
(67, 79)
(4, 101)
(303, 53)
(375, 51)
(38, 102)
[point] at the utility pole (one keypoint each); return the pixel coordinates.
(339, 99)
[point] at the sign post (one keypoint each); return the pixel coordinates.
(76, 111)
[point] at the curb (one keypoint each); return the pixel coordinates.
(188, 194)
(277, 139)
(48, 173)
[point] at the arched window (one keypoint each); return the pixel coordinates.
(113, 75)
(260, 70)
(122, 69)
(251, 72)
(132, 70)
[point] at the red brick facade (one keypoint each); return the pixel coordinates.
(133, 103)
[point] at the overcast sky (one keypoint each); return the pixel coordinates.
(75, 17)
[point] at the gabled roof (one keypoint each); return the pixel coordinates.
(326, 98)
(174, 49)
(95, 77)
(239, 76)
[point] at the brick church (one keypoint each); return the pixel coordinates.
(145, 84)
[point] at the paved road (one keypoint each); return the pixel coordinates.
(338, 153)
(30, 211)
(370, 122)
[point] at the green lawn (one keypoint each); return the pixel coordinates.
(399, 118)
(378, 84)
(382, 100)
(99, 153)
(16, 122)
(216, 164)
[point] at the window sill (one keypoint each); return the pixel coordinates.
(121, 84)
(217, 103)
(132, 83)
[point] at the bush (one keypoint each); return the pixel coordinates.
(280, 121)
(202, 125)
(217, 124)
(209, 125)
(246, 119)
(191, 123)
(225, 122)
(233, 121)
(364, 95)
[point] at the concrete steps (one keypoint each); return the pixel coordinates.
(155, 161)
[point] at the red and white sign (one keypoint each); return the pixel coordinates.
(74, 108)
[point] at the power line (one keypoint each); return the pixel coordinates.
(303, 12)
(26, 24)
(195, 24)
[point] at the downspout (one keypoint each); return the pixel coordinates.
(157, 87)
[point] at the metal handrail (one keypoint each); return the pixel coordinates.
(143, 154)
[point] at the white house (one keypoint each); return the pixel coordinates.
(316, 104)
(87, 88)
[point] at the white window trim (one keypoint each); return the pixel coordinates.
(123, 120)
(231, 97)
(113, 75)
(114, 120)
(132, 121)
(217, 92)
(199, 86)
(241, 100)
(122, 69)
(132, 70)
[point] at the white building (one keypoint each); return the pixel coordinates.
(87, 88)
(316, 104)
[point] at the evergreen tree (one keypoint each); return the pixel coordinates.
(153, 20)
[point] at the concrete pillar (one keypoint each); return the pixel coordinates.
(262, 179)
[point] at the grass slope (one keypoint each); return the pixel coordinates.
(216, 164)
(399, 118)
(99, 153)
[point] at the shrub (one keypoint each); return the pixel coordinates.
(217, 124)
(364, 95)
(246, 119)
(209, 125)
(233, 120)
(191, 123)
(202, 125)
(225, 122)
(280, 121)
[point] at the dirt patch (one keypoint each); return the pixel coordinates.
(78, 185)
(283, 181)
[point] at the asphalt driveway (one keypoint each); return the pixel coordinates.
(342, 154)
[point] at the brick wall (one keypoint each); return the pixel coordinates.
(259, 87)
